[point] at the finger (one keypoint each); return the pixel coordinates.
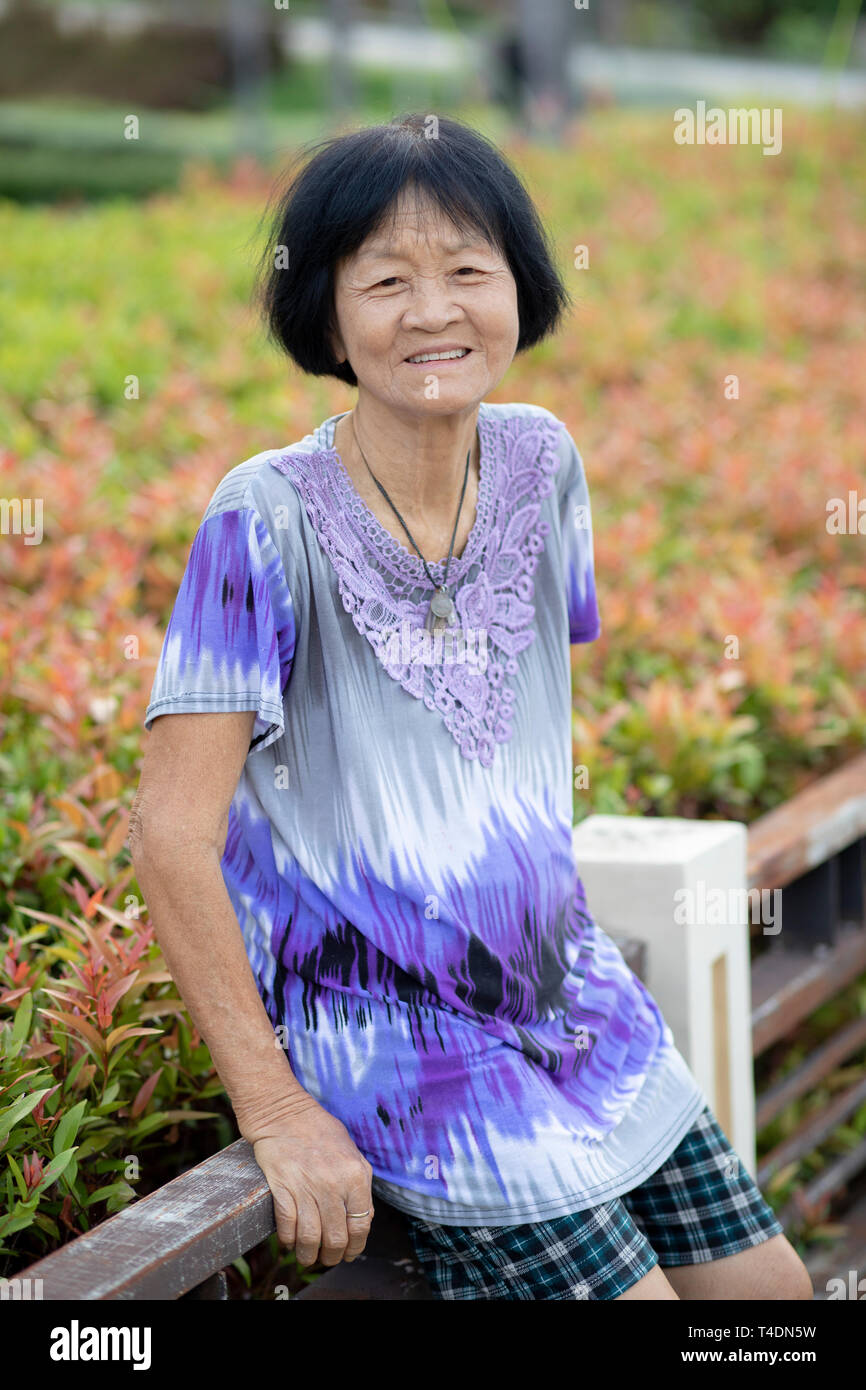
(335, 1234)
(309, 1231)
(286, 1218)
(358, 1226)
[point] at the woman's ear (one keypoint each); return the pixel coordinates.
(336, 345)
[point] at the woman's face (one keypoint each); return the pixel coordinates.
(418, 286)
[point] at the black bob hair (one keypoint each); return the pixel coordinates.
(350, 187)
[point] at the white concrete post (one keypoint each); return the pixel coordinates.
(680, 885)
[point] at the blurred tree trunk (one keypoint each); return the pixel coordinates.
(545, 31)
(343, 91)
(611, 20)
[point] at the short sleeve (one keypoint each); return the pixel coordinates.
(584, 621)
(230, 640)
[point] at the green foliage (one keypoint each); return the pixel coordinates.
(90, 1078)
(744, 22)
(823, 1025)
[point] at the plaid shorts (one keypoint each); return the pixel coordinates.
(700, 1205)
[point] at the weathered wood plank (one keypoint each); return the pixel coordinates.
(167, 1243)
(214, 1289)
(814, 825)
(789, 985)
(812, 1202)
(845, 1259)
(772, 1101)
(812, 1131)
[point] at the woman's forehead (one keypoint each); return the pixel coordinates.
(412, 226)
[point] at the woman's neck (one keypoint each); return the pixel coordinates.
(420, 461)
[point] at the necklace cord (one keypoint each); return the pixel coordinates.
(402, 522)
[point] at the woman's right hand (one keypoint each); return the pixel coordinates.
(316, 1174)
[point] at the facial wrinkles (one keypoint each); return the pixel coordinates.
(418, 255)
(422, 255)
(439, 291)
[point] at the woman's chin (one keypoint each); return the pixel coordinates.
(451, 396)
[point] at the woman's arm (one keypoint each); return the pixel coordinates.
(177, 835)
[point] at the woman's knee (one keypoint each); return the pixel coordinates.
(651, 1286)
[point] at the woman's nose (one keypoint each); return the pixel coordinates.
(432, 305)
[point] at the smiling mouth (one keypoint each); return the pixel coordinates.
(455, 355)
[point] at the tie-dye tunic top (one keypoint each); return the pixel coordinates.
(399, 852)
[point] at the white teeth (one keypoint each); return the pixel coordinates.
(438, 356)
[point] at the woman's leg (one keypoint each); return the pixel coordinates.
(772, 1270)
(652, 1286)
(713, 1232)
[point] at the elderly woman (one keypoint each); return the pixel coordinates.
(353, 829)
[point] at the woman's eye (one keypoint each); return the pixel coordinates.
(390, 280)
(473, 270)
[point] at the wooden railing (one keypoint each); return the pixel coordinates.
(814, 849)
(177, 1242)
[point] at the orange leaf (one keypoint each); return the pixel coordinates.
(118, 1035)
(107, 781)
(145, 1092)
(103, 1012)
(117, 991)
(80, 1025)
(89, 903)
(117, 836)
(114, 916)
(100, 942)
(43, 916)
(85, 1076)
(166, 1006)
(64, 997)
(71, 809)
(43, 1049)
(8, 996)
(154, 977)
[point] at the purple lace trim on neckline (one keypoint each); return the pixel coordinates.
(398, 560)
(386, 591)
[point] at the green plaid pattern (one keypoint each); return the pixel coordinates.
(700, 1205)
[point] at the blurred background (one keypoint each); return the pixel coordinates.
(711, 373)
(222, 77)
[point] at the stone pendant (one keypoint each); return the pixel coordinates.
(442, 613)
